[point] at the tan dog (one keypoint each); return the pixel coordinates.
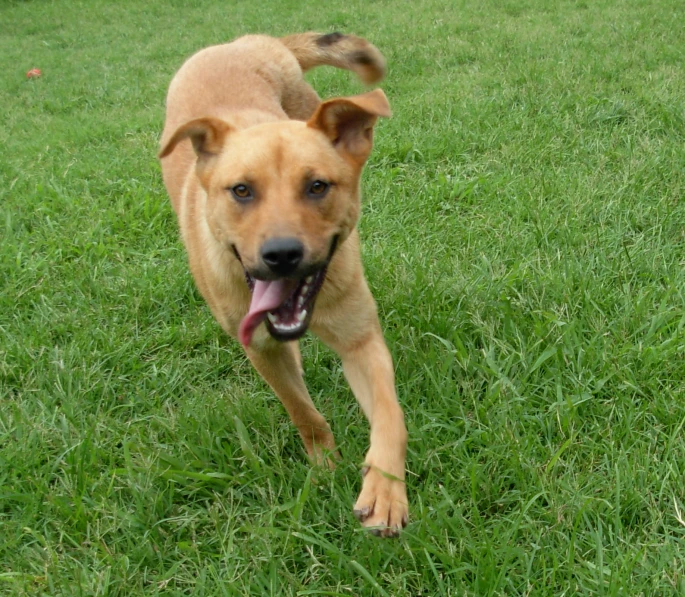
(264, 178)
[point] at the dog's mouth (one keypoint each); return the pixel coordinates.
(285, 305)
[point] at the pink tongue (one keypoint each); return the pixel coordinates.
(266, 296)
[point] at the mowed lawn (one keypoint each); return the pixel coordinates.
(523, 233)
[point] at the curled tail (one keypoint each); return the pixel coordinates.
(336, 49)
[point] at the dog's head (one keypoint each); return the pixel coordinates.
(282, 195)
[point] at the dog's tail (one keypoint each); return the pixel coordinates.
(336, 49)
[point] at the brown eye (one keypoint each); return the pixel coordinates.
(241, 193)
(318, 189)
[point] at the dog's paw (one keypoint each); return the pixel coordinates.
(320, 446)
(325, 458)
(319, 442)
(382, 506)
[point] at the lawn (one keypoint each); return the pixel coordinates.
(524, 236)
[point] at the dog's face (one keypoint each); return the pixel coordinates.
(281, 196)
(278, 195)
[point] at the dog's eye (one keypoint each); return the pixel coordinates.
(241, 193)
(318, 189)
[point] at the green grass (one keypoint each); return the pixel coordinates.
(524, 235)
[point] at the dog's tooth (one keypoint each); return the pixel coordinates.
(301, 316)
(305, 290)
(272, 318)
(310, 279)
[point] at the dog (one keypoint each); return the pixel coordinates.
(264, 178)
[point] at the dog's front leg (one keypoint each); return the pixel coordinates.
(280, 367)
(382, 504)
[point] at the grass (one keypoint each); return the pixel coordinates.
(523, 234)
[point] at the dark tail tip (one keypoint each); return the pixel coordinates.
(362, 57)
(329, 39)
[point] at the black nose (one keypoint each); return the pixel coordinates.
(282, 255)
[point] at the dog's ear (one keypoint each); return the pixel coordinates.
(348, 122)
(206, 134)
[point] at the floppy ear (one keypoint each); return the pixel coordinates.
(206, 134)
(348, 121)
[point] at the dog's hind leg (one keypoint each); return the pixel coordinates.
(279, 365)
(299, 100)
